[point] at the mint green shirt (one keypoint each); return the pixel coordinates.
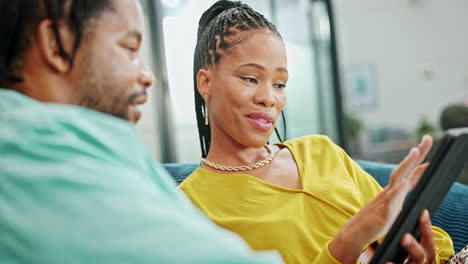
(77, 186)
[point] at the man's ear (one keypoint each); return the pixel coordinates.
(204, 82)
(49, 48)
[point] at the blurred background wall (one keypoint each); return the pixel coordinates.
(416, 52)
(373, 75)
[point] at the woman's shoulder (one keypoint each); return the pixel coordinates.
(309, 143)
(201, 178)
(191, 179)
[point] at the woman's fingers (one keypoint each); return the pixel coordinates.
(416, 252)
(424, 252)
(417, 173)
(407, 167)
(424, 147)
(427, 237)
(394, 199)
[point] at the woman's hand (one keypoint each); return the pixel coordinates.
(423, 252)
(375, 219)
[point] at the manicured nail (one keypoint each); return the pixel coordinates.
(426, 215)
(406, 239)
(423, 139)
(411, 153)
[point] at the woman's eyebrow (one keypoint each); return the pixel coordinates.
(255, 65)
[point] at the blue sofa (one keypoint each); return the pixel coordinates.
(452, 215)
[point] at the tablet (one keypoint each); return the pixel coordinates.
(445, 166)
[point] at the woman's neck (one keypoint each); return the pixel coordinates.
(229, 152)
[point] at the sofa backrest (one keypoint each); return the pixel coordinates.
(451, 216)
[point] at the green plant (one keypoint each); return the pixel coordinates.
(354, 126)
(425, 127)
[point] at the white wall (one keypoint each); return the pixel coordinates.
(400, 37)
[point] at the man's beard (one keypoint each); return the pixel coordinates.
(112, 106)
(102, 93)
(116, 105)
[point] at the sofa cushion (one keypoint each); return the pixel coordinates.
(452, 215)
(180, 171)
(380, 171)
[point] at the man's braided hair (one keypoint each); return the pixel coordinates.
(20, 19)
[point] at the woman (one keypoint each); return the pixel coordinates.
(305, 197)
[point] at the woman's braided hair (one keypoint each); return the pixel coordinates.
(217, 31)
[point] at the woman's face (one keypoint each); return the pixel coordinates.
(247, 89)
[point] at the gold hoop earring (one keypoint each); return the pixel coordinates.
(206, 109)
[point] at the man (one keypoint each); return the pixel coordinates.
(76, 185)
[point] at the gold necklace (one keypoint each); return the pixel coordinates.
(242, 168)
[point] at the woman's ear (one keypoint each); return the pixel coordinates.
(204, 80)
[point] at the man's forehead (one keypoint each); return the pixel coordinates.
(126, 15)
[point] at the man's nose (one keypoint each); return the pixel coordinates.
(146, 77)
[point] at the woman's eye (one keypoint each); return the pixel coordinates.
(249, 79)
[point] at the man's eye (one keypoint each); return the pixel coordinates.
(132, 49)
(280, 85)
(249, 79)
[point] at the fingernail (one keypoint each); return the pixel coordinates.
(422, 140)
(426, 215)
(411, 153)
(406, 239)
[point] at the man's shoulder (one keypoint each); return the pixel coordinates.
(53, 136)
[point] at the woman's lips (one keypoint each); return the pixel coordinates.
(262, 121)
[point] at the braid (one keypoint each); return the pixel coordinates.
(14, 16)
(55, 9)
(222, 20)
(20, 19)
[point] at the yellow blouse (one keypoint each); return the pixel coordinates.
(298, 223)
